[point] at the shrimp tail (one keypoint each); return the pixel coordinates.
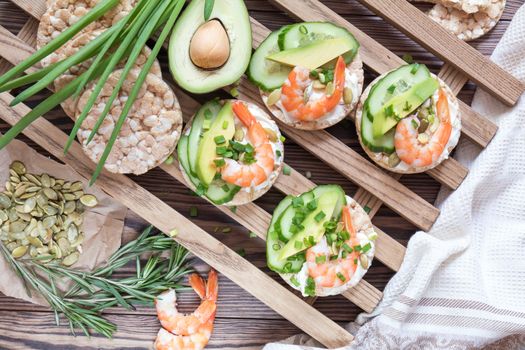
(198, 285)
(242, 112)
(212, 287)
(347, 219)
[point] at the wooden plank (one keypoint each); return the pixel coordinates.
(429, 34)
(251, 216)
(27, 35)
(196, 240)
(380, 59)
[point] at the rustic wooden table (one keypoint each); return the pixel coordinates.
(243, 322)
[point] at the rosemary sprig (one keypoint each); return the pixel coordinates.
(93, 292)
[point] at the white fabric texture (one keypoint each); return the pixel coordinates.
(462, 285)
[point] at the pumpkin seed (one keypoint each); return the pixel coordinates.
(27, 195)
(363, 259)
(318, 85)
(64, 244)
(5, 201)
(19, 252)
(14, 179)
(50, 193)
(50, 210)
(69, 207)
(393, 160)
(35, 242)
(18, 226)
(271, 134)
(18, 167)
(25, 216)
(348, 96)
(34, 179)
(78, 194)
(330, 89)
(72, 233)
(29, 205)
(41, 200)
(20, 191)
(49, 222)
(89, 200)
(239, 135)
(12, 246)
(274, 97)
(423, 138)
(45, 180)
(69, 196)
(71, 259)
(76, 186)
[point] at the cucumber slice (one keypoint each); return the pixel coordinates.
(182, 151)
(401, 79)
(274, 245)
(382, 144)
(220, 192)
(196, 131)
(285, 222)
(264, 73)
(302, 34)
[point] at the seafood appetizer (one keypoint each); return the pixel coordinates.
(231, 152)
(209, 53)
(310, 75)
(191, 331)
(321, 242)
(408, 120)
(467, 19)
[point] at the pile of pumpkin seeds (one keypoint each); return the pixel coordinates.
(41, 216)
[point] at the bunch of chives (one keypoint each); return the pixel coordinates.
(125, 40)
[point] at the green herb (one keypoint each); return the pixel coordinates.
(219, 140)
(287, 170)
(408, 107)
(309, 288)
(200, 190)
(320, 216)
(391, 88)
(93, 292)
(367, 209)
(219, 163)
(253, 234)
(314, 73)
(208, 8)
(194, 212)
(298, 244)
(320, 259)
(389, 111)
(341, 277)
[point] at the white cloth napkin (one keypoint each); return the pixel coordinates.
(462, 285)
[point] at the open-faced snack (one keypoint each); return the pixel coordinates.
(321, 242)
(61, 14)
(408, 120)
(310, 75)
(467, 19)
(149, 133)
(206, 54)
(231, 152)
(74, 72)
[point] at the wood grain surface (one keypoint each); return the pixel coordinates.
(243, 321)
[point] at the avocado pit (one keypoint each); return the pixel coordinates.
(210, 45)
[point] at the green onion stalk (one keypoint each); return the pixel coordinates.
(92, 292)
(124, 41)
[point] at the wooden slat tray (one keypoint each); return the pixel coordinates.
(375, 186)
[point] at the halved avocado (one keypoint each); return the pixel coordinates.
(234, 18)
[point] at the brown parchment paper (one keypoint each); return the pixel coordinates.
(102, 225)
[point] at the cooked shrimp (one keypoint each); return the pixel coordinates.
(333, 273)
(186, 325)
(196, 341)
(293, 93)
(409, 148)
(248, 175)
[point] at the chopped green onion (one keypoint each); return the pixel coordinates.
(367, 209)
(366, 248)
(233, 209)
(169, 160)
(194, 212)
(219, 162)
(312, 205)
(334, 257)
(225, 188)
(355, 261)
(201, 190)
(208, 8)
(345, 235)
(278, 153)
(221, 150)
(347, 248)
(303, 29)
(408, 58)
(309, 288)
(225, 125)
(276, 246)
(241, 252)
(282, 138)
(287, 170)
(357, 248)
(320, 216)
(234, 92)
(391, 88)
(389, 111)
(415, 125)
(226, 230)
(207, 114)
(294, 281)
(297, 202)
(219, 140)
(174, 233)
(344, 254)
(341, 277)
(206, 124)
(320, 259)
(415, 68)
(252, 234)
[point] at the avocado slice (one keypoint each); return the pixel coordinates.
(402, 105)
(233, 16)
(313, 226)
(223, 125)
(313, 55)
